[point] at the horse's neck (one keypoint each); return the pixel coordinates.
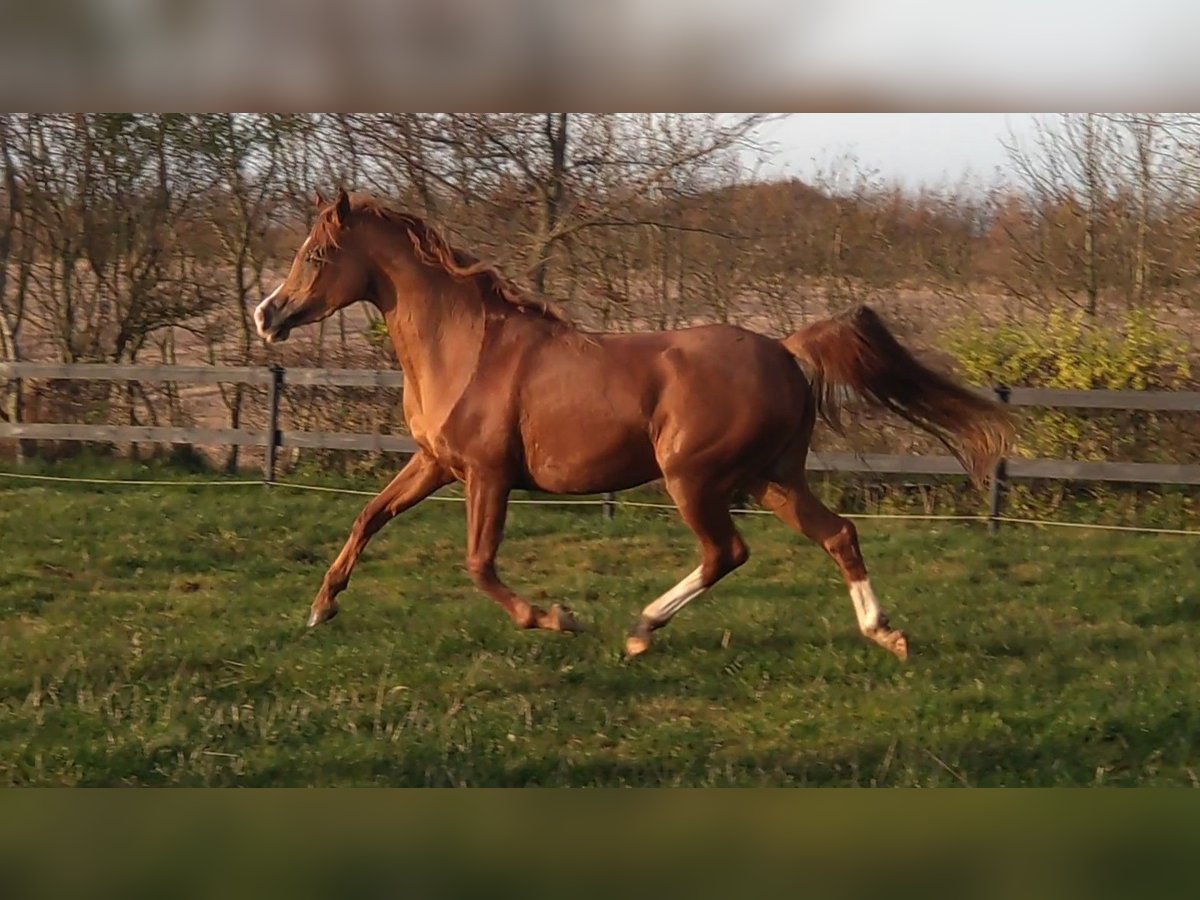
(437, 327)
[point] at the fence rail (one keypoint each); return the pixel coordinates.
(105, 372)
(276, 377)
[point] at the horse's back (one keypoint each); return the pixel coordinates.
(726, 365)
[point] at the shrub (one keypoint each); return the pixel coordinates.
(1069, 351)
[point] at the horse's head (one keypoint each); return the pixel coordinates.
(329, 272)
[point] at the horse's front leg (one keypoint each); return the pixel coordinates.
(487, 507)
(416, 481)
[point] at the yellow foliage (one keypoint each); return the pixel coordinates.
(1065, 350)
(1068, 351)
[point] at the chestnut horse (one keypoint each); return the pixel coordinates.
(502, 393)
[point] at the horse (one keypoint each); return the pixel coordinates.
(502, 392)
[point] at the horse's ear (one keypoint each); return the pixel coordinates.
(342, 209)
(318, 200)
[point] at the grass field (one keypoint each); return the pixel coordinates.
(154, 635)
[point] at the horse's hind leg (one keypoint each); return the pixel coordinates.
(794, 503)
(706, 512)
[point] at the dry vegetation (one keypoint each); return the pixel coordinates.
(149, 238)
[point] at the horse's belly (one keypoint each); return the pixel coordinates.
(586, 458)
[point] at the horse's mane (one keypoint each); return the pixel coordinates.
(434, 250)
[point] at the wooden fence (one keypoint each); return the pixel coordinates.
(273, 438)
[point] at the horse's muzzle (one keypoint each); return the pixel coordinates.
(270, 318)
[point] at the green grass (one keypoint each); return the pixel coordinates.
(155, 635)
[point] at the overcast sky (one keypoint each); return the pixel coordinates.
(1049, 55)
(913, 148)
(1026, 53)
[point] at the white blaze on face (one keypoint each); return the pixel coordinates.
(866, 607)
(260, 312)
(661, 610)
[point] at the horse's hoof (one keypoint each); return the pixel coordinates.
(560, 618)
(636, 646)
(321, 614)
(895, 642)
(638, 641)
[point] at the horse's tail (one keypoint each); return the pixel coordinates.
(855, 351)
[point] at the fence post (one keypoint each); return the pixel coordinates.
(610, 505)
(273, 393)
(18, 415)
(998, 474)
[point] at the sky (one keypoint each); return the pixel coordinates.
(1045, 55)
(920, 55)
(912, 148)
(1021, 52)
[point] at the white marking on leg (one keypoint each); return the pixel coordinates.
(661, 610)
(866, 607)
(260, 315)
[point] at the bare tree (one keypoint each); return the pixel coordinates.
(16, 262)
(529, 188)
(244, 156)
(1067, 177)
